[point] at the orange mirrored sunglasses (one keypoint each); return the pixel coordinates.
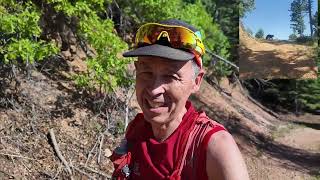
(178, 37)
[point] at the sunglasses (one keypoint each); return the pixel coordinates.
(177, 37)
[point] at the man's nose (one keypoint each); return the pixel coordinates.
(156, 87)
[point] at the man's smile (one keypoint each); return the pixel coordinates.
(156, 106)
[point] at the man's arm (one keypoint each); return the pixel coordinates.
(224, 160)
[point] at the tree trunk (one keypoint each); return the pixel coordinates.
(310, 17)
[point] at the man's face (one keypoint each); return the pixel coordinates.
(163, 86)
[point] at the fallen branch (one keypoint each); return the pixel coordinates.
(57, 150)
(17, 156)
(91, 151)
(263, 107)
(100, 148)
(96, 171)
(82, 172)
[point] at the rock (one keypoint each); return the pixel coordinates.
(107, 152)
(66, 54)
(73, 49)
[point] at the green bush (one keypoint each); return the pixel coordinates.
(106, 70)
(20, 34)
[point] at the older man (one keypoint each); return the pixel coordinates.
(170, 139)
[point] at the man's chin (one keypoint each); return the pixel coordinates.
(155, 118)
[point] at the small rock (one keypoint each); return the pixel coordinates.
(73, 49)
(66, 54)
(107, 152)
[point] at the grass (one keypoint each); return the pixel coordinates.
(283, 130)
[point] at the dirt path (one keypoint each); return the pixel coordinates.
(296, 154)
(272, 149)
(275, 59)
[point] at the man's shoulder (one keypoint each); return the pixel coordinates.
(203, 119)
(224, 154)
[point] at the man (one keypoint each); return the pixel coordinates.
(170, 139)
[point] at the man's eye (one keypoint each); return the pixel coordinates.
(145, 73)
(172, 76)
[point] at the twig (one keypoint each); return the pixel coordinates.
(17, 156)
(82, 172)
(100, 147)
(10, 176)
(90, 153)
(127, 110)
(57, 150)
(58, 172)
(96, 171)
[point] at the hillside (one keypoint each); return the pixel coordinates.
(272, 59)
(66, 93)
(87, 127)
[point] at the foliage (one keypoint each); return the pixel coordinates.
(20, 34)
(259, 34)
(246, 6)
(225, 13)
(304, 39)
(297, 22)
(291, 94)
(292, 37)
(106, 70)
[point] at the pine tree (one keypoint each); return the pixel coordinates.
(259, 34)
(310, 16)
(297, 22)
(246, 6)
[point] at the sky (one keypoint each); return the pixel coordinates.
(273, 16)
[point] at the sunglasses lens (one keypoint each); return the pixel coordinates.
(177, 37)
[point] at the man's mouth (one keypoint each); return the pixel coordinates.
(153, 104)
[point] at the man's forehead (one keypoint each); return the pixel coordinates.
(156, 61)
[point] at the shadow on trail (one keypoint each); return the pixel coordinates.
(289, 157)
(309, 125)
(279, 42)
(269, 64)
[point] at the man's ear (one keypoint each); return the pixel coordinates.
(135, 64)
(198, 80)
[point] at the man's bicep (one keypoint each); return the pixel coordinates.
(224, 160)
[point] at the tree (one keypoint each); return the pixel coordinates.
(315, 23)
(259, 34)
(249, 31)
(297, 22)
(224, 14)
(246, 6)
(292, 37)
(310, 16)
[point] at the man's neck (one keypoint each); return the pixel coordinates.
(162, 131)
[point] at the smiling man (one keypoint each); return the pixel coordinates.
(170, 139)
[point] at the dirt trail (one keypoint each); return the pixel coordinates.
(275, 59)
(282, 148)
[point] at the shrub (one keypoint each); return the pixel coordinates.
(20, 34)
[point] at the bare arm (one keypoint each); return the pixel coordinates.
(224, 160)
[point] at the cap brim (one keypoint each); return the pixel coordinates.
(160, 51)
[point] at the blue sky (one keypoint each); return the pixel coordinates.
(273, 16)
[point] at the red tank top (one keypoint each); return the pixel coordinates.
(155, 160)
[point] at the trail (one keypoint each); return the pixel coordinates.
(285, 147)
(275, 59)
